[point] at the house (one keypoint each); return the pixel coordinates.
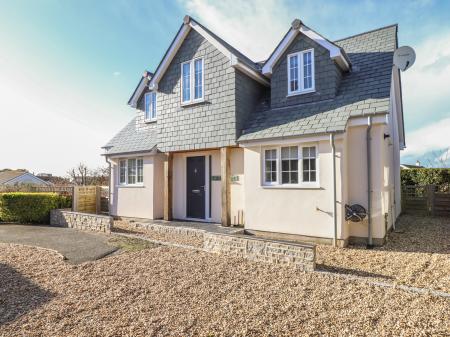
(279, 146)
(20, 177)
(408, 166)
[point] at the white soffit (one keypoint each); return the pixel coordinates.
(335, 52)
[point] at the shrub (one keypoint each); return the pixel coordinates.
(30, 207)
(425, 176)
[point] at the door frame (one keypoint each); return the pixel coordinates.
(207, 186)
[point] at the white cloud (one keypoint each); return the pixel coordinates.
(433, 137)
(426, 84)
(116, 73)
(254, 27)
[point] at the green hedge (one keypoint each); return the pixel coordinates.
(30, 207)
(425, 176)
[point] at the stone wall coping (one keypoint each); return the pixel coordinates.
(255, 238)
(81, 213)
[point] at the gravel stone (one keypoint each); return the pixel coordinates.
(169, 291)
(416, 254)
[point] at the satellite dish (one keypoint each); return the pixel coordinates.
(404, 57)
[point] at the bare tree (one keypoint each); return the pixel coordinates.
(438, 159)
(82, 175)
(78, 175)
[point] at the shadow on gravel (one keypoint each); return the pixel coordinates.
(353, 272)
(18, 295)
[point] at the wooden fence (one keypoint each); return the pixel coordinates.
(426, 200)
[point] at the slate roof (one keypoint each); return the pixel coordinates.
(132, 139)
(364, 91)
(6, 176)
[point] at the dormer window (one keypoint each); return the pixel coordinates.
(301, 72)
(150, 106)
(192, 81)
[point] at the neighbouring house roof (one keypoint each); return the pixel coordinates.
(131, 139)
(9, 176)
(364, 91)
(6, 176)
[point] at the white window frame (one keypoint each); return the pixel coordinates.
(192, 100)
(301, 183)
(126, 171)
(148, 114)
(277, 165)
(301, 84)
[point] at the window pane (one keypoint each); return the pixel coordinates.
(307, 70)
(312, 164)
(305, 164)
(131, 171)
(294, 165)
(305, 176)
(268, 177)
(198, 65)
(284, 153)
(285, 178)
(305, 152)
(285, 165)
(186, 82)
(313, 176)
(153, 96)
(147, 105)
(140, 171)
(122, 171)
(294, 178)
(293, 72)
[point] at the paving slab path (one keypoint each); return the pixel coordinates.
(76, 246)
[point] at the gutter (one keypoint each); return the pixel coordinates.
(333, 153)
(369, 182)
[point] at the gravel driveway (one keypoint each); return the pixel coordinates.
(75, 245)
(177, 292)
(417, 254)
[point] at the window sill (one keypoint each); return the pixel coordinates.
(293, 187)
(131, 186)
(148, 121)
(185, 104)
(296, 93)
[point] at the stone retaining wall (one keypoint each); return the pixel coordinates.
(302, 256)
(83, 221)
(168, 229)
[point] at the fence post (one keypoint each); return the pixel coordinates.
(98, 195)
(430, 198)
(74, 198)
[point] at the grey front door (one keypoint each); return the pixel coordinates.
(195, 184)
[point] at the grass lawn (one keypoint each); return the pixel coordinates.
(167, 291)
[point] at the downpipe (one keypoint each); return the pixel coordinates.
(109, 185)
(369, 183)
(333, 153)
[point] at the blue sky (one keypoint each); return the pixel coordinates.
(67, 68)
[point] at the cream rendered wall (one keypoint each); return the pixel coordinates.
(357, 177)
(301, 211)
(179, 185)
(237, 184)
(138, 201)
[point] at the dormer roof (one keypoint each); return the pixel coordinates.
(297, 27)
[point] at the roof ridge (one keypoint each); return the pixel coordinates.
(367, 32)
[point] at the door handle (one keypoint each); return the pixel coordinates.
(195, 191)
